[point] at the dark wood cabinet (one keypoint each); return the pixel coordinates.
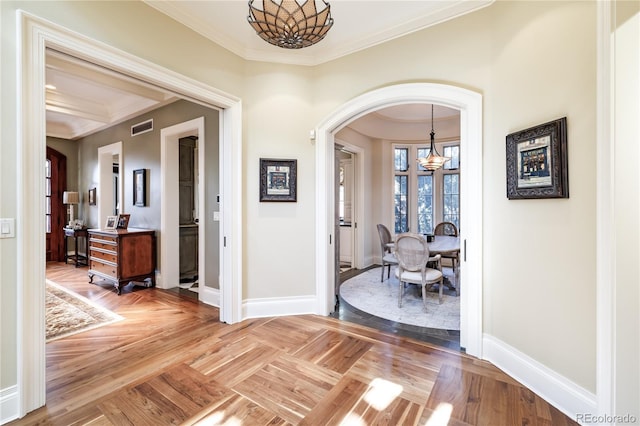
(123, 256)
(78, 258)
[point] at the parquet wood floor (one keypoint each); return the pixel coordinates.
(172, 362)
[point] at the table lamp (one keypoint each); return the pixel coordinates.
(70, 198)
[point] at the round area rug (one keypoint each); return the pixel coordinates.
(367, 293)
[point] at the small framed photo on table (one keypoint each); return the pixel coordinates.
(537, 165)
(112, 222)
(123, 221)
(278, 180)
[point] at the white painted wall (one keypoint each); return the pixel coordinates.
(532, 61)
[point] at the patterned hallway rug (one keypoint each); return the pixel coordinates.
(68, 313)
(367, 293)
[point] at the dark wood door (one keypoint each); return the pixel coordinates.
(56, 215)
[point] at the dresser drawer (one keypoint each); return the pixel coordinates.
(109, 256)
(104, 268)
(103, 244)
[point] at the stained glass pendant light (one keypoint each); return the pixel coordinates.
(433, 161)
(289, 24)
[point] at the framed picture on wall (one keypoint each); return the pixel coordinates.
(140, 187)
(537, 164)
(92, 197)
(278, 180)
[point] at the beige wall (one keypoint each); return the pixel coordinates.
(532, 62)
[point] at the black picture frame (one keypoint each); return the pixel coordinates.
(123, 221)
(537, 165)
(278, 180)
(140, 187)
(92, 197)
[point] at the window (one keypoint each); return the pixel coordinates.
(451, 199)
(452, 152)
(412, 184)
(425, 204)
(401, 190)
(422, 198)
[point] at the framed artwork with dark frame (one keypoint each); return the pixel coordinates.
(278, 180)
(537, 165)
(123, 221)
(140, 187)
(92, 197)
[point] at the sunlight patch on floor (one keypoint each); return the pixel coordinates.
(441, 415)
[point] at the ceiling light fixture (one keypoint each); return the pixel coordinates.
(290, 25)
(433, 161)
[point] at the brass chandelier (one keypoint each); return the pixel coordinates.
(288, 24)
(433, 161)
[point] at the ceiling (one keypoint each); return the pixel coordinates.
(84, 98)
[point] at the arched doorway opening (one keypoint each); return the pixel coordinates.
(470, 106)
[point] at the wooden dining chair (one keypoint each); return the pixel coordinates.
(449, 228)
(388, 258)
(412, 252)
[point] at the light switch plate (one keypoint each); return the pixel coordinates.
(7, 228)
(216, 216)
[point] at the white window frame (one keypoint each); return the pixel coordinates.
(413, 172)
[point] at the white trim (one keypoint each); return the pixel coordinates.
(278, 306)
(169, 217)
(605, 225)
(208, 295)
(554, 388)
(34, 35)
(358, 217)
(8, 404)
(105, 187)
(470, 105)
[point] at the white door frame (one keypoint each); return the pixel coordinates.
(35, 35)
(105, 187)
(357, 195)
(169, 274)
(470, 105)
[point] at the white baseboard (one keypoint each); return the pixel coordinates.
(210, 296)
(554, 388)
(8, 404)
(279, 306)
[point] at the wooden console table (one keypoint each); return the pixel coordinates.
(123, 256)
(79, 259)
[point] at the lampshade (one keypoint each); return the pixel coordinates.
(288, 24)
(433, 160)
(69, 197)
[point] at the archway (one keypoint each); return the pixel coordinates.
(470, 105)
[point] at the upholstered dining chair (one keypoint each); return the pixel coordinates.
(448, 228)
(388, 258)
(412, 252)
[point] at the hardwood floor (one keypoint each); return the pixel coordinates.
(172, 362)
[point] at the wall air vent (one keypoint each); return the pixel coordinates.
(144, 127)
